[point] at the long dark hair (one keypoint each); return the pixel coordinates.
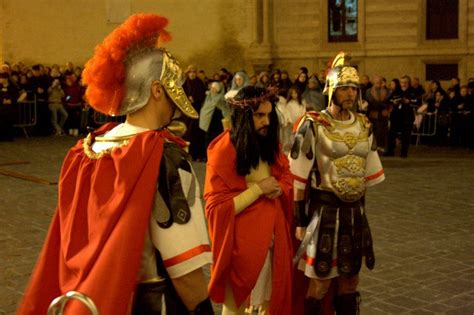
(250, 146)
(289, 96)
(439, 88)
(398, 87)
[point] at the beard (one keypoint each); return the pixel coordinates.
(261, 138)
(265, 147)
(346, 104)
(262, 132)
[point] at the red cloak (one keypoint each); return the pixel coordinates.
(240, 242)
(95, 241)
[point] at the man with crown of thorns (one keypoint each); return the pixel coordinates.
(129, 228)
(248, 195)
(333, 160)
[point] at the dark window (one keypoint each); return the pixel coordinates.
(342, 22)
(442, 19)
(441, 71)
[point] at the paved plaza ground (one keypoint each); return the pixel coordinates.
(422, 221)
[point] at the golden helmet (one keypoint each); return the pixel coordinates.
(340, 75)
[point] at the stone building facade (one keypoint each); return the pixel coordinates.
(243, 34)
(391, 37)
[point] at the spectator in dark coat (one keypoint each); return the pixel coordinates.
(39, 85)
(377, 97)
(285, 84)
(8, 98)
(73, 104)
(195, 89)
(402, 117)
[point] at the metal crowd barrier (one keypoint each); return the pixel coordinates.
(58, 304)
(27, 115)
(428, 125)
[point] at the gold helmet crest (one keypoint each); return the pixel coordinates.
(340, 75)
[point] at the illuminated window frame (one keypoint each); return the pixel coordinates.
(343, 20)
(442, 19)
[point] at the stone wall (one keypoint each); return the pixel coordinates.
(2, 27)
(243, 34)
(208, 33)
(391, 38)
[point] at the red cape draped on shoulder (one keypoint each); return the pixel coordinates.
(95, 241)
(240, 242)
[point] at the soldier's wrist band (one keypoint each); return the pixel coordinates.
(299, 211)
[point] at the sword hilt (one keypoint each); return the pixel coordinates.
(58, 304)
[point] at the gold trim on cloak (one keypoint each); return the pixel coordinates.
(87, 145)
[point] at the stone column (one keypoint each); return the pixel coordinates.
(2, 32)
(260, 51)
(254, 21)
(266, 22)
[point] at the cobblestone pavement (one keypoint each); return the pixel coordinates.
(422, 220)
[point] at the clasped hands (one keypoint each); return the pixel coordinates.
(300, 232)
(270, 187)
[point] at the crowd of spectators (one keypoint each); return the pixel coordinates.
(57, 92)
(404, 107)
(396, 109)
(399, 111)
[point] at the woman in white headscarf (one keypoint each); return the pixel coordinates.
(213, 112)
(313, 96)
(240, 80)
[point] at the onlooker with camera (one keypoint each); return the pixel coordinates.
(55, 99)
(73, 101)
(402, 117)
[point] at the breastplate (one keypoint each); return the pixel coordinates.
(341, 154)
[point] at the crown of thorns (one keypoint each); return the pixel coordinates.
(253, 101)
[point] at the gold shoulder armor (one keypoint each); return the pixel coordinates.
(320, 119)
(364, 121)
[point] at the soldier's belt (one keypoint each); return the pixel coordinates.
(330, 198)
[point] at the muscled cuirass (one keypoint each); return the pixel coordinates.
(341, 155)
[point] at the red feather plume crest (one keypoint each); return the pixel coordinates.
(104, 74)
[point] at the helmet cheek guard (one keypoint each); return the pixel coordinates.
(156, 64)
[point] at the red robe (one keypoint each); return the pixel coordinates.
(95, 242)
(240, 242)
